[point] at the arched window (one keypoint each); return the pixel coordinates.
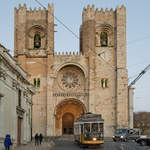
(104, 39)
(37, 41)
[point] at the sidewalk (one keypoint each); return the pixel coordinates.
(31, 146)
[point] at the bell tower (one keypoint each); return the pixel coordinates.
(103, 41)
(33, 49)
(34, 32)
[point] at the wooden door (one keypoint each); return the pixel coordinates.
(67, 123)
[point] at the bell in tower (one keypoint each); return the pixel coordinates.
(37, 41)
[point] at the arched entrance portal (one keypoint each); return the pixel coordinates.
(66, 112)
(67, 123)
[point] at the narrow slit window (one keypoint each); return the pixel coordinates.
(38, 82)
(19, 97)
(104, 83)
(37, 41)
(104, 39)
(34, 82)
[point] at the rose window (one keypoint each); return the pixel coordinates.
(69, 80)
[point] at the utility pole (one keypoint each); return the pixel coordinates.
(139, 76)
(129, 88)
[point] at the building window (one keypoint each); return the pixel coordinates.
(104, 39)
(36, 82)
(19, 97)
(37, 41)
(104, 83)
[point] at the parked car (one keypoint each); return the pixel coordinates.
(125, 134)
(143, 140)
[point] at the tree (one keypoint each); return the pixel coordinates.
(142, 121)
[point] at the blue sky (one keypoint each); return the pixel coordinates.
(70, 13)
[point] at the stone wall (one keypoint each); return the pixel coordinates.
(13, 79)
(94, 64)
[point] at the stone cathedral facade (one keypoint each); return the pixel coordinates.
(69, 84)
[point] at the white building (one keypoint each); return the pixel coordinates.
(15, 100)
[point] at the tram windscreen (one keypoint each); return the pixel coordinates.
(94, 127)
(87, 127)
(101, 127)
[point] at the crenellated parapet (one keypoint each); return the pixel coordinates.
(90, 13)
(67, 54)
(34, 10)
(34, 13)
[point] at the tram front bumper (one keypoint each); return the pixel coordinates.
(93, 142)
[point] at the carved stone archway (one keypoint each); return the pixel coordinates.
(66, 112)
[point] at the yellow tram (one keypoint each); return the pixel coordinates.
(89, 129)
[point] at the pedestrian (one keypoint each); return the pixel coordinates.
(40, 138)
(36, 139)
(7, 142)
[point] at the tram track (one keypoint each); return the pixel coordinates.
(108, 145)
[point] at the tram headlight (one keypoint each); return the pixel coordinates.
(121, 137)
(94, 139)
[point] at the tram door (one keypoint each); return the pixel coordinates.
(67, 123)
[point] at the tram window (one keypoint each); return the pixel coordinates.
(81, 128)
(94, 127)
(101, 127)
(87, 127)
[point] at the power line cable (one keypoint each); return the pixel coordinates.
(133, 76)
(137, 40)
(140, 63)
(59, 20)
(131, 42)
(134, 41)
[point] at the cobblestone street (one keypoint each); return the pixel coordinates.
(69, 144)
(31, 146)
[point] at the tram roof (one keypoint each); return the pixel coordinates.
(90, 117)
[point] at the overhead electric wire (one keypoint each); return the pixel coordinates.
(137, 40)
(59, 20)
(133, 76)
(137, 64)
(131, 42)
